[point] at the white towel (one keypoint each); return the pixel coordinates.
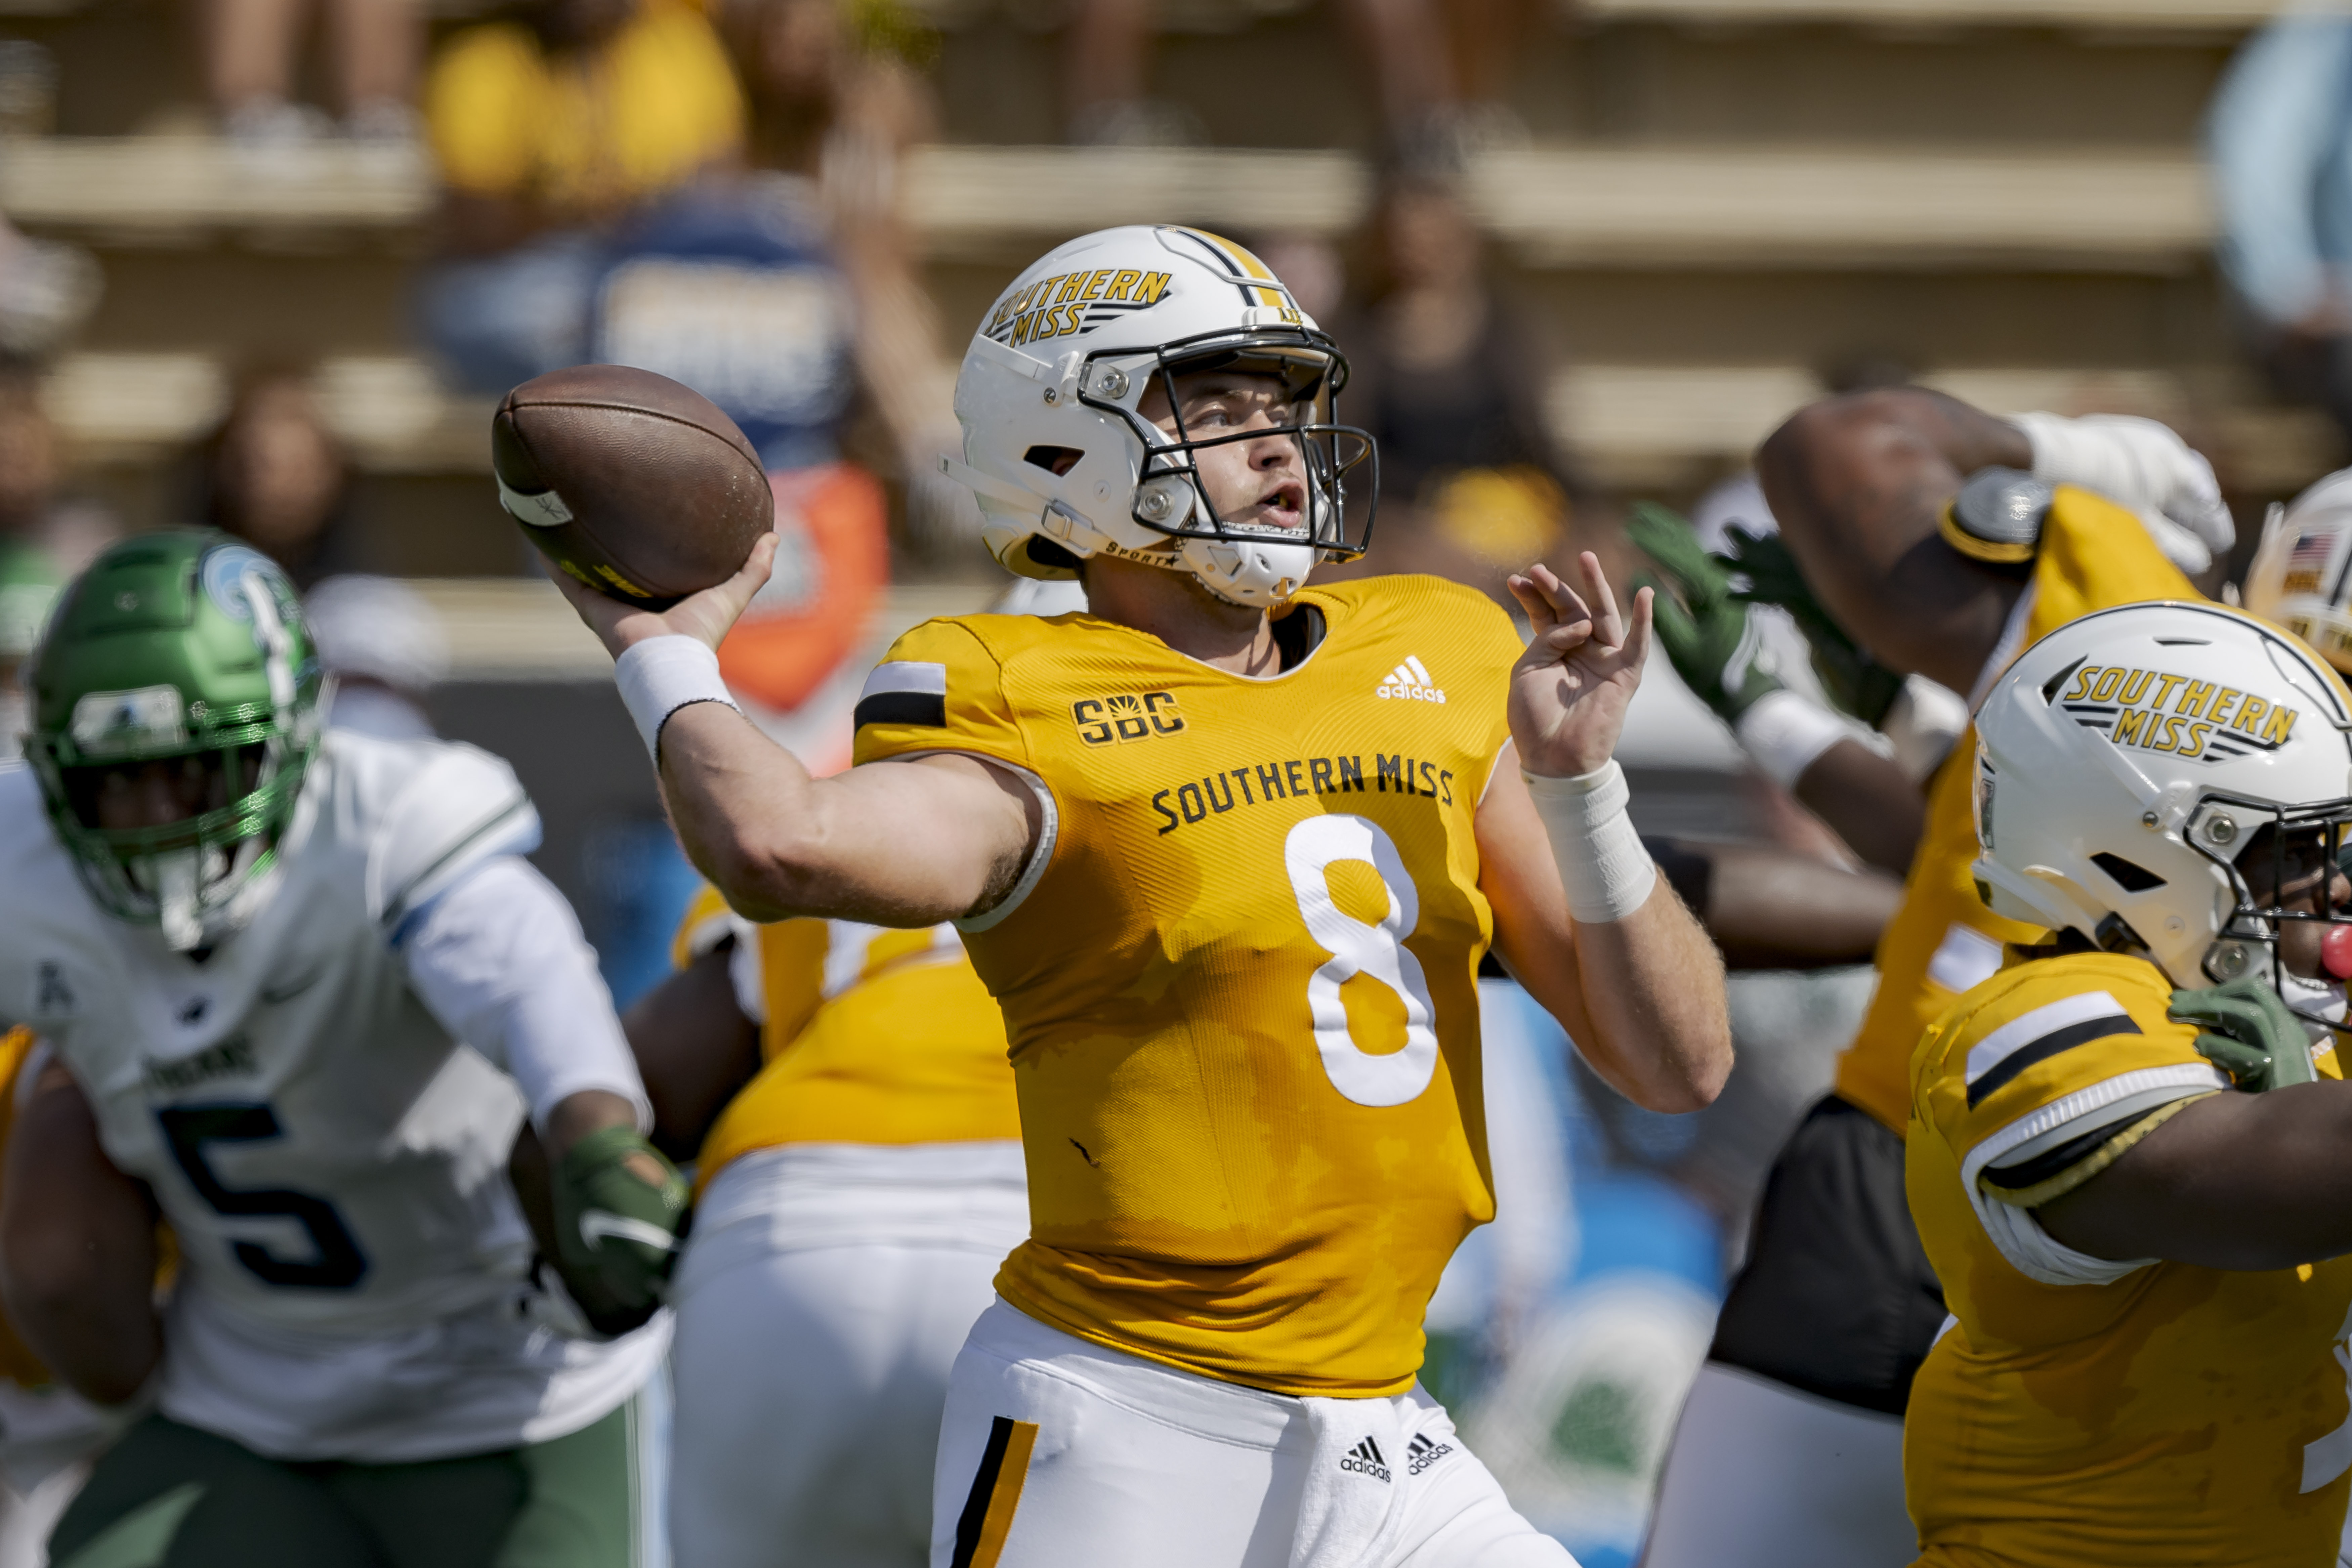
(1352, 1507)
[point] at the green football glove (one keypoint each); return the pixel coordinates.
(2248, 1032)
(1702, 626)
(619, 1207)
(1850, 676)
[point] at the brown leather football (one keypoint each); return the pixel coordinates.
(636, 485)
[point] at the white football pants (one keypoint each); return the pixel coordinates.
(1760, 1476)
(1056, 1452)
(823, 1296)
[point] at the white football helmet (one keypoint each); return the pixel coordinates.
(1066, 468)
(2301, 577)
(2127, 762)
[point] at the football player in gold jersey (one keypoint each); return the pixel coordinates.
(1227, 850)
(1945, 540)
(2147, 1360)
(858, 1182)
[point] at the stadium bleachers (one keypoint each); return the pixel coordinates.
(1705, 228)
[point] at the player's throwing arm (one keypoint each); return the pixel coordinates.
(1658, 980)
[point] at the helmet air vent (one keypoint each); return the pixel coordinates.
(2131, 878)
(2050, 687)
(1055, 460)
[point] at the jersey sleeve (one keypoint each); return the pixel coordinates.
(459, 810)
(708, 921)
(2047, 1085)
(501, 963)
(777, 971)
(940, 688)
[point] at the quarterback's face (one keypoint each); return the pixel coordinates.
(1259, 481)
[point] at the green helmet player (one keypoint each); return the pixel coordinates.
(315, 1072)
(177, 664)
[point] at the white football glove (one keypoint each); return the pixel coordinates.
(2142, 465)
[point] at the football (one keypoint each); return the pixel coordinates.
(638, 486)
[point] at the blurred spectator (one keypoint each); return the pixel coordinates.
(1439, 69)
(250, 49)
(46, 291)
(384, 645)
(1311, 268)
(276, 477)
(29, 584)
(2281, 140)
(549, 129)
(1452, 382)
(35, 510)
(788, 296)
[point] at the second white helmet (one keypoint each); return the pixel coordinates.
(2127, 760)
(1066, 465)
(2301, 576)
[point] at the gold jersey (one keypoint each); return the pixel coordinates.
(870, 1036)
(1240, 975)
(2155, 1414)
(18, 1364)
(2093, 554)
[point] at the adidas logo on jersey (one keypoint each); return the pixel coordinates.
(1423, 1452)
(1410, 680)
(1365, 1459)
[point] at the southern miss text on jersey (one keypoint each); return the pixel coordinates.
(867, 1035)
(1239, 976)
(2092, 554)
(2081, 1411)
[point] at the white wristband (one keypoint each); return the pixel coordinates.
(1785, 733)
(661, 675)
(1607, 873)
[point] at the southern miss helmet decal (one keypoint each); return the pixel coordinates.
(2162, 711)
(1067, 302)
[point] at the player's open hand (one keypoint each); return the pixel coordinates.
(1571, 689)
(707, 616)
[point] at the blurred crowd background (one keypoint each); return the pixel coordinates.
(268, 264)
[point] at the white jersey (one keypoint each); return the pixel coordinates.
(332, 1161)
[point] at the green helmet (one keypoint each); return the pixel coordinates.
(182, 645)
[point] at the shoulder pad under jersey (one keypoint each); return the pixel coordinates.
(460, 807)
(1996, 516)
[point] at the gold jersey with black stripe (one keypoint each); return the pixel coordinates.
(1239, 973)
(18, 1364)
(2090, 554)
(2080, 1410)
(867, 1035)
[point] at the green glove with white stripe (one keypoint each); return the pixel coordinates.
(619, 1207)
(2248, 1032)
(1702, 624)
